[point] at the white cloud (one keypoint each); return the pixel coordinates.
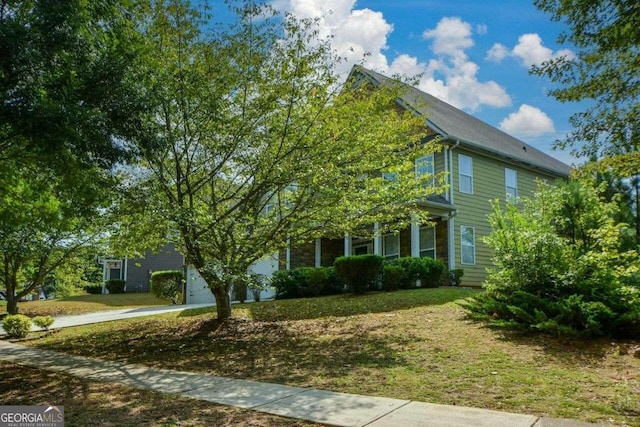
(528, 121)
(530, 51)
(481, 29)
(360, 35)
(497, 53)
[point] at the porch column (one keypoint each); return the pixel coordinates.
(318, 252)
(415, 237)
(347, 245)
(377, 239)
(288, 255)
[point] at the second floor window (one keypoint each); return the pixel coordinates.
(424, 166)
(465, 168)
(511, 183)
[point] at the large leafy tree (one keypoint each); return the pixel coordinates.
(606, 74)
(258, 143)
(71, 98)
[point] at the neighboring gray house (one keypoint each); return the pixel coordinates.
(137, 271)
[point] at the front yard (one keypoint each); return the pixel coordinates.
(409, 344)
(81, 304)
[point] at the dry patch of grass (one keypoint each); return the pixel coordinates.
(88, 403)
(89, 303)
(411, 345)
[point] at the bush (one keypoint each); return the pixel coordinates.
(168, 284)
(427, 270)
(115, 286)
(93, 289)
(561, 266)
(455, 276)
(392, 276)
(360, 273)
(306, 282)
(16, 325)
(43, 322)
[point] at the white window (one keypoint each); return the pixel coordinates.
(362, 247)
(511, 183)
(468, 245)
(391, 246)
(428, 242)
(424, 166)
(465, 168)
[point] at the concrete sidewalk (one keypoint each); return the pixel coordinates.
(338, 409)
(110, 315)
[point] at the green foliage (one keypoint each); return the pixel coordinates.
(455, 276)
(115, 286)
(16, 325)
(93, 289)
(360, 273)
(426, 270)
(392, 277)
(561, 266)
(213, 177)
(43, 322)
(305, 282)
(168, 284)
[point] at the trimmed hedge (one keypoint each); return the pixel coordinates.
(427, 270)
(115, 286)
(167, 284)
(392, 276)
(93, 289)
(306, 282)
(360, 273)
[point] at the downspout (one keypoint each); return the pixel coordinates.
(451, 223)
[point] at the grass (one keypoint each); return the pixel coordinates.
(88, 403)
(410, 345)
(87, 304)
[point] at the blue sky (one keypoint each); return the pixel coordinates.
(473, 54)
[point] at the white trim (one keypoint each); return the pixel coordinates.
(446, 169)
(461, 175)
(429, 160)
(451, 231)
(124, 270)
(462, 245)
(318, 253)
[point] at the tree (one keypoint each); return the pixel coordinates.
(606, 73)
(71, 100)
(44, 220)
(259, 144)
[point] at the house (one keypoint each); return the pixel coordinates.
(137, 271)
(482, 164)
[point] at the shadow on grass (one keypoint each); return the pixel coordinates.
(342, 305)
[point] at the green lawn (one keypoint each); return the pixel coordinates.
(86, 304)
(409, 344)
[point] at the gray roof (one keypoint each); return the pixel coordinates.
(455, 125)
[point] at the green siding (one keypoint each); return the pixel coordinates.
(473, 209)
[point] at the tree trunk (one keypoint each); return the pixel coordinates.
(223, 303)
(12, 303)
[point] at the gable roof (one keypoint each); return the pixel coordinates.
(455, 125)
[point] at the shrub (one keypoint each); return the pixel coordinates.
(455, 276)
(360, 273)
(391, 277)
(16, 325)
(43, 322)
(168, 284)
(115, 286)
(561, 266)
(93, 289)
(427, 270)
(306, 282)
(239, 292)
